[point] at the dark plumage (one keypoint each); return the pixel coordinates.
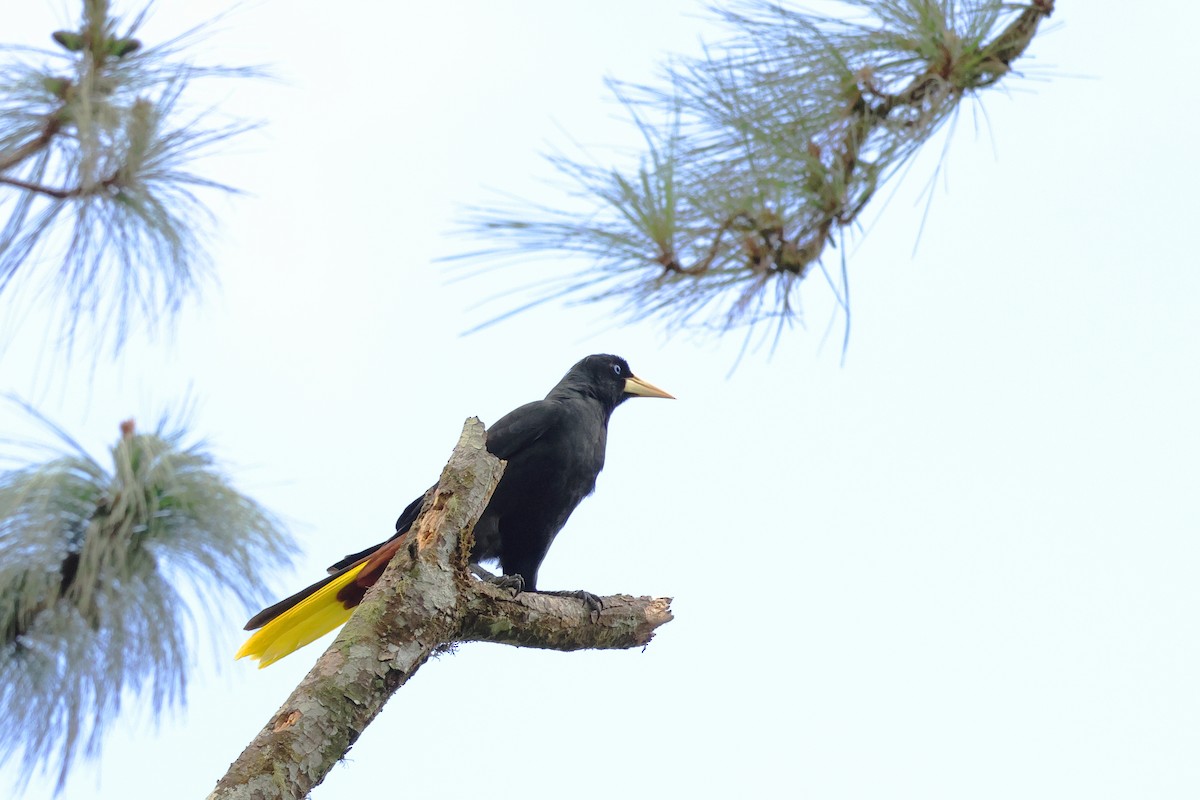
(554, 449)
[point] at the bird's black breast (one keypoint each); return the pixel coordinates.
(554, 451)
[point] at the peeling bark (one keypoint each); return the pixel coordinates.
(425, 601)
(558, 623)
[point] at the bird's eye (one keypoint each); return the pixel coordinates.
(617, 368)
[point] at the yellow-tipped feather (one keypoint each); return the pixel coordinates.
(307, 621)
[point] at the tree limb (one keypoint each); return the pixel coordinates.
(32, 146)
(425, 601)
(558, 623)
(50, 191)
(781, 136)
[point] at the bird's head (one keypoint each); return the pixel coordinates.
(610, 380)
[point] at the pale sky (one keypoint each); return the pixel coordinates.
(962, 565)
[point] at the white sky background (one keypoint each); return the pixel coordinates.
(962, 565)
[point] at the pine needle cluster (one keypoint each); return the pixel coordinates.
(772, 145)
(100, 569)
(95, 174)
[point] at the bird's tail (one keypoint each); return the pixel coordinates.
(302, 618)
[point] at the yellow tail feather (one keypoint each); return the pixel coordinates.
(307, 621)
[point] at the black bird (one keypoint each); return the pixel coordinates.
(554, 449)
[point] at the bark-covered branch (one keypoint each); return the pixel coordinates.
(425, 601)
(557, 623)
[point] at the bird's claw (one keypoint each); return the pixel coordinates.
(594, 603)
(514, 583)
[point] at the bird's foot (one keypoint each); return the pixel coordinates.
(481, 573)
(593, 602)
(514, 583)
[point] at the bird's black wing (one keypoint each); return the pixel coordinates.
(521, 427)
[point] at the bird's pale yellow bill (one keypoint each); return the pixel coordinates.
(637, 386)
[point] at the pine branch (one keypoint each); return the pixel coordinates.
(425, 602)
(96, 151)
(774, 144)
(33, 146)
(58, 194)
(95, 562)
